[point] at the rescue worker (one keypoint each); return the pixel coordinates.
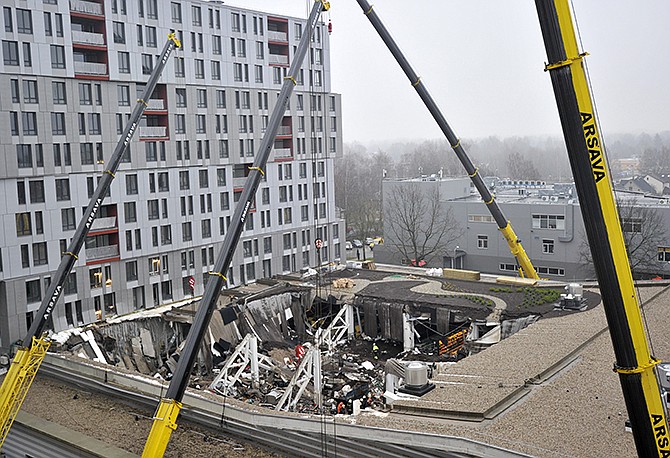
(375, 350)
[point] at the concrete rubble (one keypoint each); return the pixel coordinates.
(286, 316)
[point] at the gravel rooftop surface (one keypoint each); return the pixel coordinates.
(127, 427)
(580, 412)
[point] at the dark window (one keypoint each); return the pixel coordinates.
(10, 52)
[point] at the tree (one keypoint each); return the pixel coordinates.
(416, 224)
(643, 232)
(520, 168)
(655, 160)
(358, 180)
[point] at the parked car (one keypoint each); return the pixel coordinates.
(357, 243)
(348, 246)
(369, 241)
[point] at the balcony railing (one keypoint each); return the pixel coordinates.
(156, 104)
(101, 224)
(153, 131)
(90, 68)
(282, 153)
(102, 252)
(284, 130)
(277, 36)
(277, 59)
(81, 6)
(88, 38)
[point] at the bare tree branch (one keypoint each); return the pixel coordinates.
(420, 227)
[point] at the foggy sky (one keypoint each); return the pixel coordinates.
(483, 63)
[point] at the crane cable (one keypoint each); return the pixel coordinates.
(602, 140)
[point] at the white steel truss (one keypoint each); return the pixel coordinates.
(308, 370)
(243, 363)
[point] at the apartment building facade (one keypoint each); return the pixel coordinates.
(71, 74)
(546, 218)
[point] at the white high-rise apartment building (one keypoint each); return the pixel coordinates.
(71, 73)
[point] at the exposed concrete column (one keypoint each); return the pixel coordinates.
(349, 316)
(407, 332)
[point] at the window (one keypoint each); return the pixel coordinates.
(94, 126)
(24, 21)
(123, 92)
(221, 98)
(131, 184)
(58, 91)
(632, 225)
(86, 150)
(23, 224)
(130, 212)
(152, 208)
(550, 271)
(131, 271)
(33, 291)
(199, 68)
(58, 123)
(154, 265)
(176, 12)
(47, 24)
(119, 31)
(203, 178)
(179, 67)
(9, 27)
(151, 37)
(183, 180)
(166, 235)
(186, 232)
(40, 256)
(36, 191)
(201, 98)
(237, 70)
(480, 219)
(196, 14)
(483, 242)
(180, 124)
(152, 9)
(30, 91)
(216, 70)
(29, 123)
(58, 57)
(59, 24)
(10, 52)
(206, 227)
(216, 44)
(547, 246)
(201, 124)
(664, 254)
(180, 94)
(24, 156)
(549, 222)
(221, 177)
(14, 123)
(62, 189)
(147, 64)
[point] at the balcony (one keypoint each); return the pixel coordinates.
(103, 224)
(90, 68)
(282, 153)
(153, 131)
(80, 6)
(277, 59)
(277, 36)
(104, 252)
(156, 105)
(284, 130)
(88, 38)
